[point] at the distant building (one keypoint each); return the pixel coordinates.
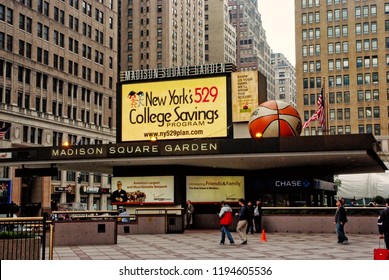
(285, 79)
(58, 74)
(342, 46)
(253, 51)
(220, 35)
(161, 34)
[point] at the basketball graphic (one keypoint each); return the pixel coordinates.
(274, 118)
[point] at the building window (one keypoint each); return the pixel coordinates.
(347, 114)
(377, 129)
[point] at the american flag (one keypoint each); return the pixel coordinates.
(320, 112)
(3, 131)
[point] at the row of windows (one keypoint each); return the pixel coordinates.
(59, 15)
(344, 97)
(24, 75)
(346, 129)
(316, 3)
(340, 14)
(58, 86)
(343, 47)
(24, 101)
(344, 80)
(6, 42)
(342, 30)
(34, 135)
(6, 14)
(364, 113)
(343, 63)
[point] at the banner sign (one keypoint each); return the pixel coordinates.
(68, 189)
(176, 109)
(245, 92)
(175, 72)
(213, 189)
(145, 190)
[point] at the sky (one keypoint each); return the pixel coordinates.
(278, 22)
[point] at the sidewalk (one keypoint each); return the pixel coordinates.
(203, 244)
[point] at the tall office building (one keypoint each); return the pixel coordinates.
(342, 47)
(161, 34)
(220, 35)
(58, 74)
(285, 79)
(253, 51)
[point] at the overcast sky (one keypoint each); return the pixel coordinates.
(278, 22)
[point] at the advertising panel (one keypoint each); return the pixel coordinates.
(175, 109)
(213, 189)
(5, 191)
(245, 89)
(142, 190)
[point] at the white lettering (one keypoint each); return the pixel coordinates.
(288, 183)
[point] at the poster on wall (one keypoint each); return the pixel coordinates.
(5, 191)
(245, 88)
(176, 109)
(142, 190)
(213, 189)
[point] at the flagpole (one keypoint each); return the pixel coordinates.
(326, 110)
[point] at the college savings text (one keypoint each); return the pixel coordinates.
(200, 273)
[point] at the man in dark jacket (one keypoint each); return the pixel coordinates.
(340, 220)
(242, 223)
(250, 217)
(119, 195)
(383, 223)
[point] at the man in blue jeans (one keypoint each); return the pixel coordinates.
(225, 222)
(339, 221)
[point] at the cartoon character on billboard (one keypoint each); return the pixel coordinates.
(136, 98)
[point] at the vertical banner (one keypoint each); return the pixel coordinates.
(245, 92)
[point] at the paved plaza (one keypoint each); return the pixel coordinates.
(204, 244)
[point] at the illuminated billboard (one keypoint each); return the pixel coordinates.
(174, 109)
(213, 189)
(142, 190)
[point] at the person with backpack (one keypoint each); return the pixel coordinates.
(225, 216)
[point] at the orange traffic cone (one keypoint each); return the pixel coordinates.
(263, 238)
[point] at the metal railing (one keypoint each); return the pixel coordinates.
(23, 238)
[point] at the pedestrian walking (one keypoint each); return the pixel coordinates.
(189, 214)
(242, 223)
(340, 220)
(383, 223)
(258, 216)
(225, 216)
(250, 218)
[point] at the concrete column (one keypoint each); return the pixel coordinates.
(104, 197)
(90, 196)
(77, 197)
(16, 195)
(46, 195)
(63, 184)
